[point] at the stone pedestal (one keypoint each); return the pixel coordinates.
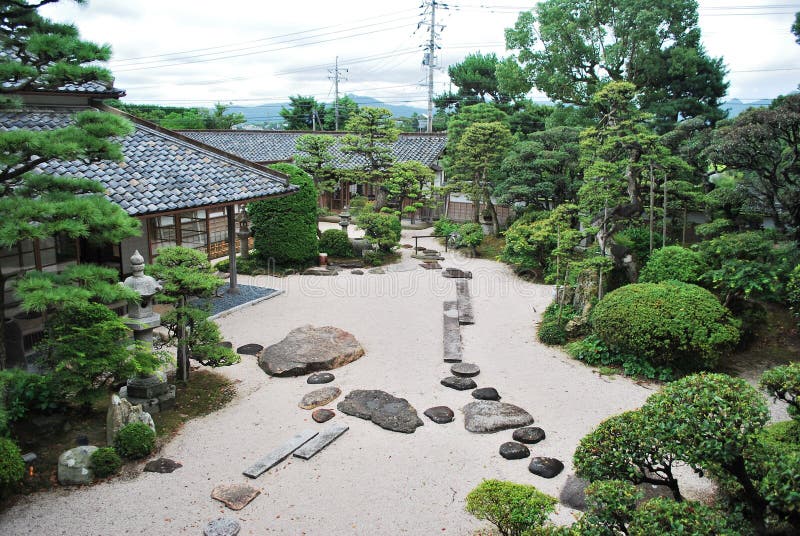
(152, 404)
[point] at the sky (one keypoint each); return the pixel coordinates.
(197, 52)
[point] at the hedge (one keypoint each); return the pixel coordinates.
(673, 263)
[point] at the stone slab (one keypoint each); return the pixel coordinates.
(325, 438)
(223, 526)
(488, 416)
(464, 303)
(235, 496)
(455, 273)
(279, 454)
(451, 333)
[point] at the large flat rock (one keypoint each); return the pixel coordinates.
(309, 349)
(489, 416)
(383, 409)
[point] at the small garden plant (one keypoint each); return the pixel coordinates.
(135, 440)
(105, 462)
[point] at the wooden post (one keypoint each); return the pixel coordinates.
(233, 288)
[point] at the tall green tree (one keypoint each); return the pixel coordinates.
(410, 180)
(369, 144)
(347, 107)
(303, 113)
(43, 54)
(571, 48)
(315, 158)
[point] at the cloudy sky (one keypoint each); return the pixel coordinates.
(196, 52)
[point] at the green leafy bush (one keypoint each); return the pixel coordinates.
(783, 383)
(243, 266)
(12, 467)
(105, 462)
(22, 392)
(673, 263)
(637, 240)
(554, 320)
(471, 235)
(380, 228)
(135, 440)
(513, 508)
(335, 243)
(609, 507)
(444, 226)
(665, 516)
(669, 323)
(285, 228)
(593, 351)
(793, 292)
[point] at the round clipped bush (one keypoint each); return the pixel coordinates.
(552, 333)
(135, 440)
(673, 263)
(669, 323)
(665, 516)
(105, 462)
(380, 228)
(335, 243)
(12, 467)
(513, 508)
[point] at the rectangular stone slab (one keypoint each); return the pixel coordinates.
(464, 302)
(279, 454)
(325, 438)
(452, 333)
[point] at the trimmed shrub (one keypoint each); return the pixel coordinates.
(673, 263)
(285, 228)
(609, 506)
(665, 516)
(471, 235)
(637, 240)
(135, 440)
(12, 467)
(669, 323)
(554, 320)
(380, 228)
(105, 462)
(21, 392)
(783, 383)
(513, 508)
(593, 351)
(444, 226)
(335, 243)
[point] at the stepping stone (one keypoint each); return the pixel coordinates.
(529, 435)
(512, 450)
(249, 349)
(162, 465)
(464, 303)
(488, 416)
(279, 454)
(456, 273)
(319, 397)
(451, 333)
(440, 414)
(431, 265)
(385, 410)
(223, 526)
(357, 271)
(486, 393)
(377, 270)
(545, 467)
(235, 496)
(322, 415)
(320, 270)
(459, 384)
(310, 349)
(465, 370)
(325, 438)
(320, 377)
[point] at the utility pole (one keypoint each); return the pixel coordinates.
(429, 59)
(336, 76)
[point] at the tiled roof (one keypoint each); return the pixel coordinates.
(271, 145)
(161, 172)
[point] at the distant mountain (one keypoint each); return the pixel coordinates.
(734, 106)
(270, 113)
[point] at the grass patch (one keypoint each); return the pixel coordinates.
(491, 247)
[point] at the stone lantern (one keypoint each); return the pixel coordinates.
(344, 219)
(244, 234)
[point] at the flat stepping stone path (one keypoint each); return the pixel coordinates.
(451, 333)
(223, 526)
(486, 393)
(431, 265)
(320, 377)
(162, 465)
(325, 438)
(512, 450)
(235, 496)
(488, 416)
(279, 454)
(456, 273)
(459, 384)
(319, 397)
(357, 271)
(529, 435)
(383, 409)
(310, 349)
(440, 414)
(323, 415)
(377, 271)
(249, 349)
(320, 271)
(464, 303)
(465, 370)
(545, 467)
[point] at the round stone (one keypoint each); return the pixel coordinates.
(465, 370)
(320, 377)
(486, 393)
(440, 414)
(223, 526)
(459, 384)
(529, 435)
(249, 349)
(545, 467)
(323, 415)
(320, 397)
(514, 451)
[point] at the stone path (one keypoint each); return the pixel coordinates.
(452, 333)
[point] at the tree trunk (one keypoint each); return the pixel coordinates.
(652, 205)
(182, 370)
(3, 354)
(757, 504)
(664, 220)
(493, 212)
(381, 197)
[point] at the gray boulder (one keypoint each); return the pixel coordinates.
(573, 494)
(74, 466)
(223, 526)
(308, 349)
(489, 416)
(385, 410)
(121, 413)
